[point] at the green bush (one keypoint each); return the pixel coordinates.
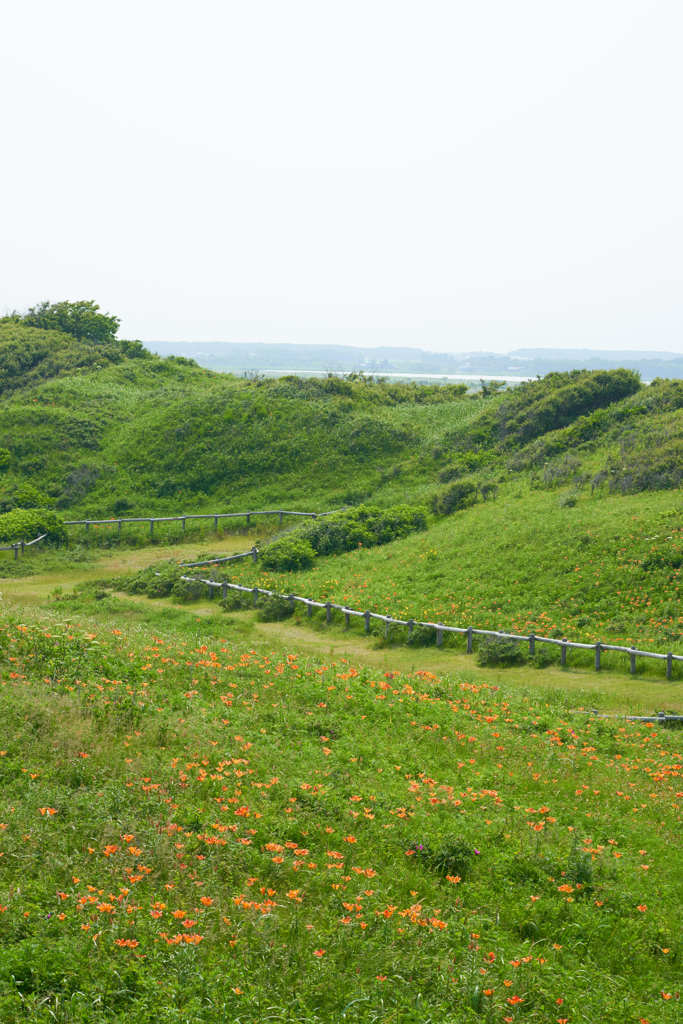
(422, 636)
(28, 496)
(156, 580)
(236, 600)
(364, 526)
(648, 461)
(494, 650)
(288, 553)
(5, 458)
(185, 591)
(27, 524)
(460, 495)
(274, 609)
(453, 857)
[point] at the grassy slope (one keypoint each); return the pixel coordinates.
(523, 563)
(198, 828)
(162, 436)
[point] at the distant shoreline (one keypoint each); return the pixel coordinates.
(433, 378)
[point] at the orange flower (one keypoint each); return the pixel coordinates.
(318, 952)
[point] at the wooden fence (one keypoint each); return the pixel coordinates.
(21, 545)
(151, 520)
(441, 628)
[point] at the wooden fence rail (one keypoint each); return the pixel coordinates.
(21, 545)
(440, 628)
(216, 516)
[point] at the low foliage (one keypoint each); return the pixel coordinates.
(363, 526)
(456, 497)
(290, 552)
(274, 609)
(27, 524)
(192, 829)
(494, 650)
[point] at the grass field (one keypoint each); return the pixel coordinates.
(207, 818)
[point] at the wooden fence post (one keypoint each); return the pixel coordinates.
(254, 553)
(16, 552)
(215, 523)
(309, 609)
(563, 652)
(328, 612)
(255, 595)
(224, 591)
(633, 660)
(151, 528)
(347, 620)
(411, 627)
(119, 527)
(532, 644)
(366, 616)
(469, 639)
(386, 629)
(281, 514)
(597, 657)
(669, 664)
(248, 518)
(184, 522)
(439, 636)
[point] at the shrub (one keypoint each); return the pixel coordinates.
(647, 462)
(156, 580)
(274, 609)
(185, 591)
(422, 636)
(494, 650)
(288, 553)
(458, 496)
(26, 524)
(365, 525)
(28, 496)
(236, 600)
(5, 458)
(453, 857)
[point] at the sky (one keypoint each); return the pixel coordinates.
(457, 176)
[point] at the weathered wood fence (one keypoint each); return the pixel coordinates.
(184, 519)
(440, 628)
(18, 547)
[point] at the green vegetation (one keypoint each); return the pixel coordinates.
(27, 524)
(194, 829)
(528, 562)
(82, 320)
(362, 527)
(209, 812)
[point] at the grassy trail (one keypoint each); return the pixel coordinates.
(34, 590)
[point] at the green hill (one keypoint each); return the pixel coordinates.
(553, 507)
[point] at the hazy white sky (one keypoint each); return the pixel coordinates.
(456, 175)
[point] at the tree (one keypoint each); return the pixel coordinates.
(81, 319)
